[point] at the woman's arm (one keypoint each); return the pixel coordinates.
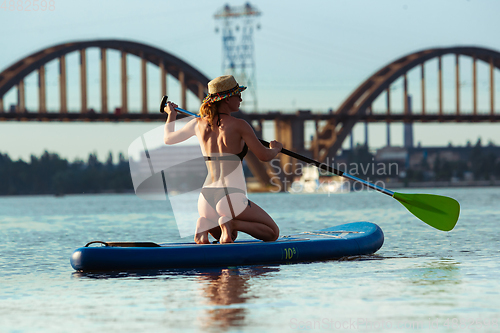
(263, 153)
(171, 136)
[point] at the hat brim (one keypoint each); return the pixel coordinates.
(211, 98)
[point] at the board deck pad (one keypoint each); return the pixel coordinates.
(351, 239)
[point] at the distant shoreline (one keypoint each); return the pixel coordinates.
(441, 184)
(66, 194)
(253, 187)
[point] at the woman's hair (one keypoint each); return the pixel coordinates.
(209, 111)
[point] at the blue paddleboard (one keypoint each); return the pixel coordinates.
(349, 239)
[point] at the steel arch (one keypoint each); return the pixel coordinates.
(329, 140)
(16, 72)
(194, 79)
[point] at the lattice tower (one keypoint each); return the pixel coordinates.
(237, 24)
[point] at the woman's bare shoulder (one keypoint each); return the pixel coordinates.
(242, 123)
(200, 122)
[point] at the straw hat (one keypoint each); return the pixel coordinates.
(222, 87)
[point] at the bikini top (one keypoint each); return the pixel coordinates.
(236, 157)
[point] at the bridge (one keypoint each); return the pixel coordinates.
(331, 128)
(188, 77)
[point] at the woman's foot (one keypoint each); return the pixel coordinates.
(216, 233)
(201, 233)
(201, 238)
(226, 230)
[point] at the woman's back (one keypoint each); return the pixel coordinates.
(220, 140)
(222, 147)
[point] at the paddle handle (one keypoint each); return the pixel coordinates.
(290, 153)
(164, 101)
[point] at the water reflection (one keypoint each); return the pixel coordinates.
(226, 291)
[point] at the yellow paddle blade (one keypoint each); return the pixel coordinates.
(437, 211)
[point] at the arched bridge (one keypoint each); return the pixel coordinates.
(289, 127)
(358, 105)
(189, 77)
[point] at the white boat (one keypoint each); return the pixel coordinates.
(311, 182)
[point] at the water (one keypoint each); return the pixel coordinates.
(420, 279)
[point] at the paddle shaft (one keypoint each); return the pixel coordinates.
(321, 166)
(328, 168)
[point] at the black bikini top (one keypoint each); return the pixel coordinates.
(236, 157)
(243, 152)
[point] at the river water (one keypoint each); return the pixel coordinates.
(421, 279)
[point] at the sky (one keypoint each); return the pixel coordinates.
(309, 55)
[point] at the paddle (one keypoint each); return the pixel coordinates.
(437, 211)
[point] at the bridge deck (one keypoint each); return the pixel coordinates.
(97, 117)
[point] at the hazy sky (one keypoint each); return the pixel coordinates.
(309, 55)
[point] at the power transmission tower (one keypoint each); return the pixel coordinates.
(237, 25)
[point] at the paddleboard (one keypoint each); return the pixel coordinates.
(351, 239)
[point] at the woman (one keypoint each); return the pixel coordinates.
(223, 205)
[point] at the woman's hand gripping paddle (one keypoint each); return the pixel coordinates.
(437, 211)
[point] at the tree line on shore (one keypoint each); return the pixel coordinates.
(51, 174)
